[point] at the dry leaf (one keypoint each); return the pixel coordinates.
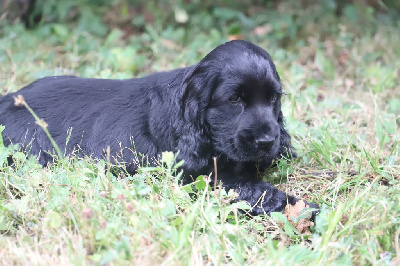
(344, 219)
(19, 101)
(130, 207)
(349, 83)
(343, 58)
(103, 193)
(169, 44)
(294, 210)
(234, 37)
(303, 224)
(41, 123)
(87, 213)
(262, 30)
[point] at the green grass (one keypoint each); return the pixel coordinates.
(342, 109)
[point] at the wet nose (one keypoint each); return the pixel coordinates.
(265, 142)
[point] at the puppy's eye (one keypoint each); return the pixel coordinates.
(273, 98)
(235, 99)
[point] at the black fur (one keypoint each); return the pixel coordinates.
(228, 105)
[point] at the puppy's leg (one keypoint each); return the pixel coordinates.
(263, 197)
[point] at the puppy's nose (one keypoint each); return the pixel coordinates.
(265, 142)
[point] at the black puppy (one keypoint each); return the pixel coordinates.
(228, 106)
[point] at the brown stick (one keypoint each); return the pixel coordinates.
(216, 173)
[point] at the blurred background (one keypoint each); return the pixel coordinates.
(140, 36)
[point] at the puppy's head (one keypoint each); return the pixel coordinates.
(239, 95)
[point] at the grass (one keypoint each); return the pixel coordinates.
(342, 108)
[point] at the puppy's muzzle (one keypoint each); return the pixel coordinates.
(266, 142)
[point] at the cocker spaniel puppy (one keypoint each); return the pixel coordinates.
(227, 106)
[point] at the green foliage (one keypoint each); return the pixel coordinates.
(1, 136)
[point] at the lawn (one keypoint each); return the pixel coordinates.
(342, 107)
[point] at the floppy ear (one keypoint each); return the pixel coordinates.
(194, 144)
(286, 149)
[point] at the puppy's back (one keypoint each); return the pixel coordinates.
(88, 106)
